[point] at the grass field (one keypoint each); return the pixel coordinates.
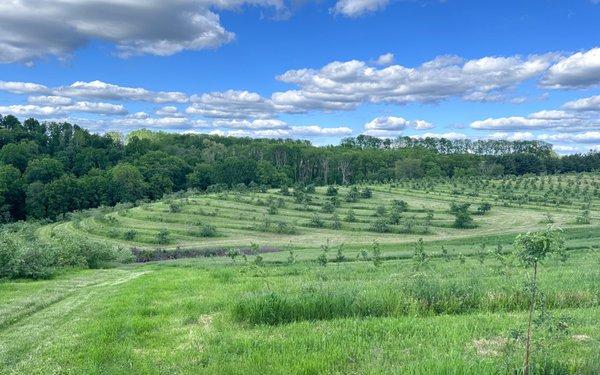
(460, 309)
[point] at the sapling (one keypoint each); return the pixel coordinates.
(340, 257)
(376, 253)
(233, 253)
(291, 257)
(420, 257)
(532, 248)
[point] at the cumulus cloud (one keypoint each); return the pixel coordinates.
(94, 90)
(357, 8)
(54, 110)
(591, 103)
(109, 91)
(52, 100)
(32, 29)
(391, 126)
(23, 88)
(257, 124)
(581, 69)
(231, 104)
(344, 85)
(385, 59)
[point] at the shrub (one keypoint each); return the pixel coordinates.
(328, 207)
(462, 217)
(316, 221)
(162, 237)
(352, 195)
(24, 258)
(350, 217)
(380, 225)
(335, 222)
(395, 216)
(484, 208)
(310, 188)
(206, 230)
(331, 191)
(272, 210)
(400, 205)
(366, 193)
(380, 211)
(174, 207)
(130, 235)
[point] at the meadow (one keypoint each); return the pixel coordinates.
(414, 276)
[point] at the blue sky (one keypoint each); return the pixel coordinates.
(303, 69)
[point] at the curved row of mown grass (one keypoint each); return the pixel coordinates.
(241, 218)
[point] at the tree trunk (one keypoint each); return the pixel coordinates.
(531, 308)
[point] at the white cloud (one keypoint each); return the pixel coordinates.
(581, 69)
(344, 85)
(51, 100)
(356, 8)
(318, 131)
(516, 136)
(54, 110)
(92, 107)
(591, 103)
(23, 87)
(385, 59)
(30, 110)
(231, 104)
(32, 29)
(257, 124)
(169, 111)
(391, 126)
(103, 90)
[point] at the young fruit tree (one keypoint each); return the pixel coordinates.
(531, 248)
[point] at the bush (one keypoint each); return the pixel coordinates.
(484, 208)
(24, 258)
(462, 217)
(174, 207)
(380, 225)
(331, 191)
(207, 230)
(328, 207)
(162, 237)
(130, 235)
(350, 217)
(400, 205)
(316, 221)
(366, 193)
(352, 195)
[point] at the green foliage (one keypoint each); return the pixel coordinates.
(350, 216)
(380, 225)
(533, 247)
(353, 194)
(316, 221)
(162, 236)
(366, 193)
(483, 208)
(462, 216)
(331, 191)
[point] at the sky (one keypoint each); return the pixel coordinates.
(317, 70)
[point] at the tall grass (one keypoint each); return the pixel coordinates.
(421, 297)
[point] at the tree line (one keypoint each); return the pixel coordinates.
(48, 169)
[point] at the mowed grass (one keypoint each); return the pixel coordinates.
(518, 205)
(214, 316)
(463, 311)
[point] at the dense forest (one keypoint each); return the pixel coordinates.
(48, 169)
